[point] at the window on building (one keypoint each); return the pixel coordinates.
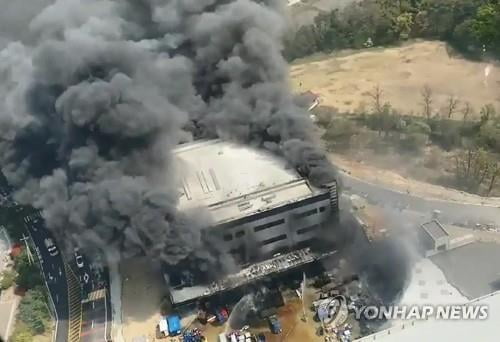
(239, 234)
(274, 239)
(307, 229)
(227, 237)
(268, 225)
(307, 213)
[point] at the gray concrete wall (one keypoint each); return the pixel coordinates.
(258, 240)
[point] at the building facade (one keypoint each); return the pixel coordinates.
(281, 229)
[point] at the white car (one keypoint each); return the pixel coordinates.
(78, 259)
(51, 247)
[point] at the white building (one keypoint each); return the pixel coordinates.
(434, 237)
(258, 204)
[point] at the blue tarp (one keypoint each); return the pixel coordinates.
(174, 325)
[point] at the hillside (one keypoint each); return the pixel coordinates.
(345, 80)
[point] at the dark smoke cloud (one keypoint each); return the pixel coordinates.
(103, 90)
(15, 17)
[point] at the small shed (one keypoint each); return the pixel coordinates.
(434, 237)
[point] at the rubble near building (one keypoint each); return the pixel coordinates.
(369, 218)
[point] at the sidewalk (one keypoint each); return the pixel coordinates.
(8, 307)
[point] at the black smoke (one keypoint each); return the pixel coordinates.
(95, 95)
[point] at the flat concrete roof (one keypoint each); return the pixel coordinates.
(446, 330)
(233, 180)
(435, 229)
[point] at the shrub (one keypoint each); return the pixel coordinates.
(33, 311)
(8, 279)
(413, 142)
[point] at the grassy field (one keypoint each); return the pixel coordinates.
(345, 81)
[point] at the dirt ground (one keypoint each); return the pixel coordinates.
(345, 81)
(294, 329)
(290, 316)
(143, 289)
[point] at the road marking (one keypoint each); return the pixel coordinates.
(75, 306)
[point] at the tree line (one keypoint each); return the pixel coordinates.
(474, 138)
(33, 317)
(470, 26)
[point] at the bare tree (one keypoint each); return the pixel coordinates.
(466, 111)
(376, 96)
(452, 105)
(427, 101)
(378, 108)
(494, 172)
(487, 112)
(473, 167)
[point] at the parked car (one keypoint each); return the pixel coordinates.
(51, 247)
(78, 259)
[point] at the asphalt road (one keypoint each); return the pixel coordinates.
(451, 212)
(96, 315)
(54, 276)
(94, 318)
(96, 309)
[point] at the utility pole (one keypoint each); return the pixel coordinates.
(303, 290)
(28, 250)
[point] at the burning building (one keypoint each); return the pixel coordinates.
(261, 208)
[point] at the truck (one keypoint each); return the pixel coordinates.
(174, 325)
(274, 324)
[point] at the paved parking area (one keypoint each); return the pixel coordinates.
(473, 269)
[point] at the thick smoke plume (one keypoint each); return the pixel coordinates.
(95, 94)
